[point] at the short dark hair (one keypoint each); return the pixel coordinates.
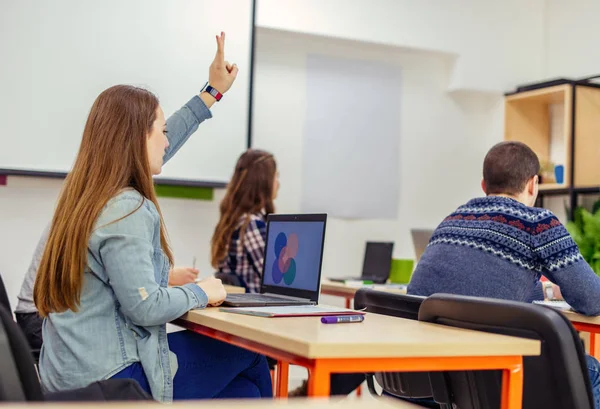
(508, 166)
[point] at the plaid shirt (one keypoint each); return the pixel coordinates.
(246, 257)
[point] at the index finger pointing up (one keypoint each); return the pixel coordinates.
(221, 47)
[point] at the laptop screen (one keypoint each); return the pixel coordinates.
(420, 239)
(378, 259)
(293, 254)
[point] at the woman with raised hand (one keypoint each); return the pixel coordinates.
(102, 285)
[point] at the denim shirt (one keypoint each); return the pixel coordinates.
(125, 300)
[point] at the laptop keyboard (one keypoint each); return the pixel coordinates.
(248, 297)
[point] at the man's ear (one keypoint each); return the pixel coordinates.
(532, 184)
(483, 187)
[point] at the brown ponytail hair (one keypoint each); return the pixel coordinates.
(249, 192)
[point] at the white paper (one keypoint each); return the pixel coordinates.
(560, 305)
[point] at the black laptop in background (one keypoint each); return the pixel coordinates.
(376, 265)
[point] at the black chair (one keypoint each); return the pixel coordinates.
(230, 279)
(23, 378)
(400, 384)
(4, 301)
(556, 379)
(10, 383)
(19, 380)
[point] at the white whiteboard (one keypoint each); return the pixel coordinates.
(338, 149)
(57, 56)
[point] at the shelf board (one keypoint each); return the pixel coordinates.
(588, 189)
(554, 192)
(553, 189)
(552, 186)
(543, 95)
(559, 191)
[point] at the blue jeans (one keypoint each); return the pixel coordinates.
(594, 370)
(210, 369)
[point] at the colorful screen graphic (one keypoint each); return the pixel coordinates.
(294, 254)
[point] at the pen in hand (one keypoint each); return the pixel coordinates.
(194, 266)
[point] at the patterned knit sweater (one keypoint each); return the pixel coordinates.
(497, 247)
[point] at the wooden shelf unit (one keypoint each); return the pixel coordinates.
(561, 123)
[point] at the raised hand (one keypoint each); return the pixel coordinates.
(221, 73)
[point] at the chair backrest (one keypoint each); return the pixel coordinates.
(402, 384)
(10, 383)
(558, 378)
(4, 301)
(18, 349)
(392, 304)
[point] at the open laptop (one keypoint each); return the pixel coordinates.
(420, 238)
(376, 264)
(292, 269)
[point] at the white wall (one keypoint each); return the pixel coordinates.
(497, 43)
(27, 205)
(443, 138)
(571, 35)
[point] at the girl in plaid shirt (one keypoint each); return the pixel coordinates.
(238, 243)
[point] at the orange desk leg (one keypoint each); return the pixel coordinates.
(512, 387)
(348, 301)
(592, 329)
(319, 381)
(283, 369)
(273, 384)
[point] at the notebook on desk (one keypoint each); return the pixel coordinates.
(558, 304)
(292, 268)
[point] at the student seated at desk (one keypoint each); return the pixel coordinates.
(27, 314)
(238, 243)
(102, 281)
(498, 246)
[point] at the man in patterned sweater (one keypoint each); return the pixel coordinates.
(500, 245)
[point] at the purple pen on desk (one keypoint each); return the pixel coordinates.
(337, 319)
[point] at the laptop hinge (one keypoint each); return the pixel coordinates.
(289, 297)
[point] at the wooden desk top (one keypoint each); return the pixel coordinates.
(296, 403)
(378, 336)
(577, 317)
(341, 288)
